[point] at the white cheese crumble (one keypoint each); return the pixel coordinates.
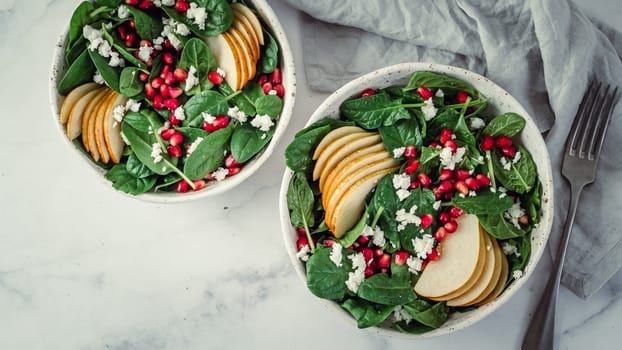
(414, 264)
(514, 213)
(423, 246)
(198, 14)
(182, 29)
(402, 194)
(180, 114)
(156, 152)
(367, 231)
(356, 277)
(272, 92)
(516, 158)
(476, 123)
(157, 3)
(472, 193)
(450, 159)
(191, 80)
(116, 60)
(98, 78)
(235, 113)
(517, 274)
(335, 254)
(401, 181)
(93, 35)
(220, 174)
(169, 31)
(439, 93)
(144, 52)
(437, 205)
(208, 118)
(378, 239)
(168, 2)
(404, 218)
(193, 146)
(506, 165)
(221, 72)
(157, 43)
(123, 12)
(304, 253)
(429, 111)
(132, 105)
(104, 49)
(164, 126)
(400, 314)
(509, 249)
(118, 112)
(262, 122)
(398, 152)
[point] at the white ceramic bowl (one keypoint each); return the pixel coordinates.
(289, 83)
(500, 101)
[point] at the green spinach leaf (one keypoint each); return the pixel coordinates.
(247, 141)
(111, 75)
(198, 55)
(521, 176)
(269, 58)
(208, 155)
(219, 17)
(270, 105)
(484, 203)
(434, 316)
(365, 313)
(124, 181)
(374, 111)
(497, 226)
(324, 278)
(136, 168)
(299, 153)
(508, 124)
(81, 16)
(300, 201)
(437, 80)
(402, 133)
(129, 82)
(208, 101)
(80, 72)
(148, 27)
(385, 290)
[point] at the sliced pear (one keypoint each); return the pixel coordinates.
(349, 209)
(112, 132)
(91, 107)
(333, 136)
(496, 274)
(241, 64)
(73, 97)
(74, 119)
(375, 152)
(226, 59)
(250, 15)
(324, 159)
(99, 129)
(240, 18)
(500, 286)
(246, 56)
(461, 257)
(90, 128)
(239, 23)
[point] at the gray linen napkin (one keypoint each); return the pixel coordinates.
(541, 51)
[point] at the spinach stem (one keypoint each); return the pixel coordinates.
(99, 10)
(308, 232)
(413, 105)
(491, 171)
(377, 217)
(465, 106)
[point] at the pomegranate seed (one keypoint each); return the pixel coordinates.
(378, 252)
(444, 217)
(167, 44)
(488, 143)
(455, 212)
(447, 196)
(461, 187)
(132, 2)
(524, 220)
(215, 78)
(168, 58)
(157, 82)
(472, 184)
(176, 139)
(149, 63)
(198, 185)
(444, 186)
(132, 23)
(414, 184)
(368, 92)
(233, 170)
(424, 180)
(462, 174)
(363, 240)
(433, 255)
(170, 79)
(280, 90)
(400, 257)
(208, 127)
(158, 102)
(164, 91)
(424, 92)
(426, 220)
(445, 135)
(166, 134)
(411, 167)
(143, 76)
(182, 6)
(230, 161)
(462, 96)
(384, 261)
(122, 32)
(451, 226)
(301, 242)
(146, 43)
(145, 4)
(434, 144)
(130, 39)
(446, 174)
(180, 74)
(276, 77)
(410, 152)
(300, 231)
(482, 179)
(369, 271)
(368, 254)
(328, 243)
(171, 103)
(182, 186)
(508, 152)
(452, 145)
(172, 119)
(150, 92)
(262, 79)
(174, 151)
(503, 141)
(267, 87)
(440, 233)
(221, 122)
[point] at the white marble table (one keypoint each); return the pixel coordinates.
(82, 267)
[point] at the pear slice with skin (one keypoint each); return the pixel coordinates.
(350, 207)
(73, 97)
(462, 255)
(226, 59)
(240, 18)
(74, 119)
(88, 112)
(239, 23)
(333, 136)
(250, 15)
(500, 286)
(112, 131)
(104, 109)
(89, 120)
(349, 161)
(327, 158)
(244, 50)
(241, 64)
(496, 274)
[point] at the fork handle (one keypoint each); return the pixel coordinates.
(541, 332)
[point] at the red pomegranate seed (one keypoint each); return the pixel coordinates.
(171, 103)
(400, 257)
(369, 271)
(233, 170)
(472, 184)
(433, 255)
(508, 152)
(378, 252)
(424, 92)
(143, 76)
(447, 196)
(230, 161)
(363, 240)
(328, 243)
(198, 185)
(165, 70)
(176, 139)
(503, 141)
(182, 6)
(434, 144)
(174, 151)
(462, 96)
(446, 174)
(451, 226)
(461, 187)
(444, 186)
(175, 91)
(452, 145)
(300, 231)
(462, 174)
(280, 90)
(482, 179)
(411, 167)
(488, 143)
(130, 39)
(166, 134)
(168, 58)
(157, 82)
(172, 119)
(132, 24)
(455, 212)
(426, 220)
(414, 184)
(440, 233)
(267, 87)
(215, 78)
(182, 186)
(164, 91)
(170, 79)
(276, 77)
(180, 74)
(384, 261)
(145, 4)
(221, 122)
(158, 102)
(150, 92)
(132, 2)
(410, 152)
(368, 254)
(368, 92)
(424, 180)
(444, 217)
(209, 127)
(122, 30)
(145, 42)
(301, 242)
(262, 79)
(445, 135)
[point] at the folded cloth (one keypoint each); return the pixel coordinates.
(542, 51)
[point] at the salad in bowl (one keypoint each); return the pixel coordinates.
(417, 199)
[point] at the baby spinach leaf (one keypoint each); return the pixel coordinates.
(518, 263)
(397, 92)
(109, 3)
(508, 124)
(484, 203)
(74, 51)
(208, 155)
(384, 197)
(125, 181)
(365, 313)
(148, 27)
(136, 168)
(424, 200)
(246, 99)
(142, 145)
(324, 278)
(191, 134)
(429, 159)
(299, 153)
(80, 72)
(402, 133)
(521, 176)
(81, 16)
(434, 316)
(533, 202)
(385, 290)
(374, 111)
(412, 327)
(129, 82)
(111, 75)
(125, 53)
(351, 236)
(198, 55)
(138, 121)
(247, 141)
(300, 201)
(209, 101)
(437, 80)
(270, 105)
(219, 17)
(472, 157)
(497, 226)
(450, 119)
(167, 181)
(269, 58)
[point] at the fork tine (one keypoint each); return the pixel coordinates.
(598, 137)
(592, 114)
(585, 105)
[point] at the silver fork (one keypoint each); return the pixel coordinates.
(581, 155)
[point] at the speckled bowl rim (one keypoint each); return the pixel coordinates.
(289, 83)
(500, 101)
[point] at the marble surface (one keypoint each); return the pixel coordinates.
(82, 267)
